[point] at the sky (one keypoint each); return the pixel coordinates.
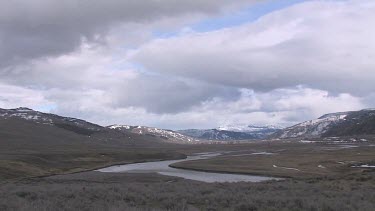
(180, 64)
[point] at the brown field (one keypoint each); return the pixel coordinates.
(337, 186)
(297, 160)
(108, 191)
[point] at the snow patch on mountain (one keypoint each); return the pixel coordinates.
(126, 127)
(45, 118)
(313, 128)
(232, 132)
(168, 135)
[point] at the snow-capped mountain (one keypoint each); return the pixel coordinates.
(334, 124)
(167, 135)
(249, 128)
(73, 124)
(232, 132)
(51, 128)
(214, 134)
(329, 125)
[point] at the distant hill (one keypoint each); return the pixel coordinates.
(335, 124)
(24, 126)
(192, 136)
(33, 143)
(166, 135)
(229, 133)
(45, 128)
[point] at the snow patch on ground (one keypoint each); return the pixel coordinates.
(364, 166)
(295, 169)
(306, 141)
(262, 153)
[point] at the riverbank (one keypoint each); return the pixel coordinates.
(352, 190)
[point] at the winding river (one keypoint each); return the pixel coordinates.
(162, 167)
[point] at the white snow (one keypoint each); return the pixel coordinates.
(119, 126)
(321, 166)
(306, 141)
(295, 169)
(313, 127)
(247, 128)
(170, 135)
(364, 166)
(262, 153)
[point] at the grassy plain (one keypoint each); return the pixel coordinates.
(296, 160)
(108, 191)
(324, 181)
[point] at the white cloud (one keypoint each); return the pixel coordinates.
(279, 107)
(14, 96)
(251, 74)
(323, 44)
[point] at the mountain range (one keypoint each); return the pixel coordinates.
(38, 126)
(232, 132)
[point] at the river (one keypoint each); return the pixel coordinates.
(162, 167)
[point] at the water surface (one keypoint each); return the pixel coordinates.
(162, 167)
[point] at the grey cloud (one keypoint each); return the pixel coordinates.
(39, 28)
(299, 45)
(159, 94)
(87, 75)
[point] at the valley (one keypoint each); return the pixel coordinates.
(49, 161)
(314, 177)
(187, 105)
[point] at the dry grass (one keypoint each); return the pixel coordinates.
(337, 187)
(103, 191)
(298, 161)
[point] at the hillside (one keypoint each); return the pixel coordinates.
(165, 135)
(33, 143)
(349, 123)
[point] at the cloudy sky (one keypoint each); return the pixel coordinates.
(188, 64)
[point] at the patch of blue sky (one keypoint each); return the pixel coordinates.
(46, 108)
(246, 15)
(164, 34)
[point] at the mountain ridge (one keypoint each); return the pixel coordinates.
(348, 123)
(229, 133)
(167, 135)
(328, 125)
